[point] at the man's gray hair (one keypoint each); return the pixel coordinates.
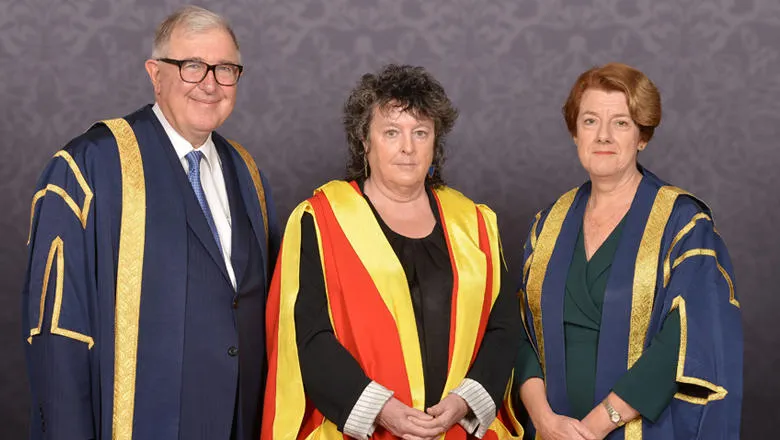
(190, 19)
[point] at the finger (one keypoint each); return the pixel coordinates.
(411, 437)
(416, 413)
(412, 428)
(427, 423)
(417, 437)
(572, 434)
(436, 410)
(583, 430)
(408, 436)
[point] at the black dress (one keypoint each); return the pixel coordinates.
(332, 378)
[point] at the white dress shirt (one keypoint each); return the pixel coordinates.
(212, 182)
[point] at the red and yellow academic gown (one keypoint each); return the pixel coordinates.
(371, 310)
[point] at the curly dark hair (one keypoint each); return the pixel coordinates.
(408, 88)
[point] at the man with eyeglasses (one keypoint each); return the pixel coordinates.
(152, 242)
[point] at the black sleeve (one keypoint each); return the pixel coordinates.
(332, 378)
(496, 356)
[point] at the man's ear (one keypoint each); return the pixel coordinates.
(153, 69)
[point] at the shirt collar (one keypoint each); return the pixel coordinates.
(181, 145)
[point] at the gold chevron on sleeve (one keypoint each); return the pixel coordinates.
(710, 253)
(81, 212)
(57, 250)
(680, 235)
(717, 392)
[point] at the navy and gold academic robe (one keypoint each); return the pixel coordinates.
(669, 257)
(131, 325)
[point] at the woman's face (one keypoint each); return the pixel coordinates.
(607, 138)
(400, 147)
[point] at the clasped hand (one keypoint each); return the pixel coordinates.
(558, 427)
(411, 424)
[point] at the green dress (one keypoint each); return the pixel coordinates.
(649, 385)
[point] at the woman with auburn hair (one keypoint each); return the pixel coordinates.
(388, 315)
(628, 292)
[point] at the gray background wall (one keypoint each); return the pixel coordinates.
(507, 64)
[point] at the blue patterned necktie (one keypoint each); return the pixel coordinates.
(193, 159)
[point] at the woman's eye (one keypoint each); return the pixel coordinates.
(391, 133)
(589, 121)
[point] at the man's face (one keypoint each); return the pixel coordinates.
(194, 110)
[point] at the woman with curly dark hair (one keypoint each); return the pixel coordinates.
(387, 314)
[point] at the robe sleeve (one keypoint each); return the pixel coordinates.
(527, 363)
(701, 333)
(699, 280)
(485, 383)
(332, 378)
(58, 301)
(492, 366)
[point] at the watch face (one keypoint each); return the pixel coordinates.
(615, 418)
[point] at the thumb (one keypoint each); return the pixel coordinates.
(436, 410)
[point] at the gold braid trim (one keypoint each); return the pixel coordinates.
(57, 249)
(129, 275)
(81, 212)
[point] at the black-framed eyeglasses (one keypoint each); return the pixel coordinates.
(194, 71)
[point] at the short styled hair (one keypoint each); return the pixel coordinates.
(191, 19)
(643, 99)
(407, 88)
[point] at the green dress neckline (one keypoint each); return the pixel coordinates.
(586, 285)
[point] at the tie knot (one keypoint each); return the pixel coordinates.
(193, 158)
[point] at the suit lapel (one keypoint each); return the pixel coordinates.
(249, 197)
(240, 228)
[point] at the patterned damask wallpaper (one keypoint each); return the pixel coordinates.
(507, 64)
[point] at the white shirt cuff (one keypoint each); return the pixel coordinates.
(362, 419)
(483, 409)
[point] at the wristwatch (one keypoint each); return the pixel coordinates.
(614, 416)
